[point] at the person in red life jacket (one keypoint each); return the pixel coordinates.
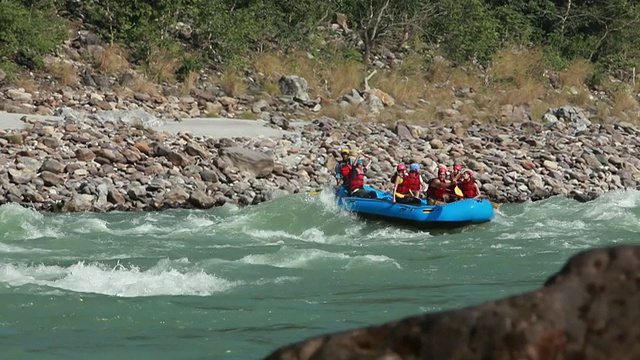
(356, 181)
(469, 187)
(343, 168)
(438, 186)
(455, 178)
(410, 187)
(398, 177)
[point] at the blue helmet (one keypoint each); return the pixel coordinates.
(360, 161)
(414, 167)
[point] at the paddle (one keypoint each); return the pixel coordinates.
(458, 191)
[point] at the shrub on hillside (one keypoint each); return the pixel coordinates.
(26, 33)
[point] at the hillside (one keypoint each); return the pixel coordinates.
(446, 60)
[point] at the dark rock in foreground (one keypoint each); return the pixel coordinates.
(589, 310)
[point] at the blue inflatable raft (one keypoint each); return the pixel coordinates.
(458, 213)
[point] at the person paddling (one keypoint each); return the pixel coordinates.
(343, 169)
(438, 186)
(468, 185)
(410, 187)
(356, 180)
(406, 187)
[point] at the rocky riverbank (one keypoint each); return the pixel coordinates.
(98, 164)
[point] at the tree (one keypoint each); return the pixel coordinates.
(26, 33)
(467, 30)
(377, 20)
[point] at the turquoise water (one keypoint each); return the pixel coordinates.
(232, 283)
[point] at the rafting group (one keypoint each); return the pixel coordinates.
(450, 184)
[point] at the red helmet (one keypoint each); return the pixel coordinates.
(442, 170)
(457, 167)
(402, 166)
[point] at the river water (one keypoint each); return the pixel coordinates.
(236, 283)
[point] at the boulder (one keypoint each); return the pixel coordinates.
(79, 203)
(589, 310)
(53, 166)
(259, 164)
(295, 86)
(201, 200)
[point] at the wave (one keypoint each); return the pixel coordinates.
(288, 257)
(119, 280)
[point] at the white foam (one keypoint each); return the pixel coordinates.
(120, 280)
(303, 258)
(90, 225)
(25, 224)
(6, 248)
(278, 280)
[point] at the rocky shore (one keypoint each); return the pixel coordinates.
(95, 163)
(588, 310)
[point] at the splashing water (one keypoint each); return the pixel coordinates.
(236, 283)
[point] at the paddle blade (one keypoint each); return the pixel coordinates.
(398, 195)
(457, 191)
(495, 205)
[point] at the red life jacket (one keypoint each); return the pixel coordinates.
(345, 170)
(468, 188)
(411, 181)
(357, 180)
(435, 193)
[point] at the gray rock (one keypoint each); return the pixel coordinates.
(21, 176)
(374, 103)
(79, 203)
(210, 175)
(51, 142)
(85, 155)
(177, 195)
(256, 163)
(194, 149)
(51, 179)
(115, 197)
(201, 200)
(52, 166)
(137, 193)
(295, 86)
(29, 163)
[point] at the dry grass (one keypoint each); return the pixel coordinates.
(461, 77)
(271, 87)
(64, 72)
(268, 65)
(338, 112)
(111, 60)
(141, 84)
(232, 84)
(439, 96)
(189, 82)
(524, 95)
(579, 97)
(421, 116)
(576, 74)
(162, 65)
(623, 100)
(341, 79)
(404, 89)
(538, 108)
(27, 83)
(518, 67)
(439, 70)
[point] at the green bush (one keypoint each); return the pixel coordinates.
(27, 33)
